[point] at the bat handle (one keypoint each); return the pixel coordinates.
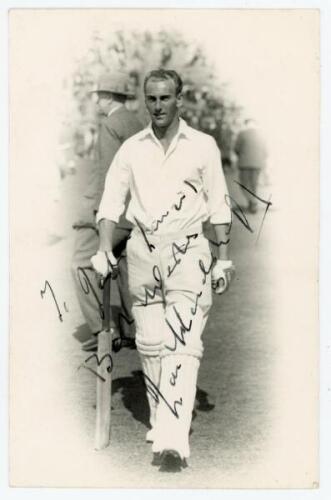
(106, 303)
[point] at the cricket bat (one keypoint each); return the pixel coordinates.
(104, 369)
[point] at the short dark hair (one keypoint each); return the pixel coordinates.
(165, 74)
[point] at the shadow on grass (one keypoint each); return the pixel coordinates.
(133, 392)
(82, 333)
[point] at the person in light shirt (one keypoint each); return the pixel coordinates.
(174, 176)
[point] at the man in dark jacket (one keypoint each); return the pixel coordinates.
(116, 125)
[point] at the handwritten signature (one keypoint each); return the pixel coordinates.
(184, 328)
(176, 249)
(48, 286)
(157, 395)
(107, 357)
(176, 206)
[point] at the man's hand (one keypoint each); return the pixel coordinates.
(105, 263)
(221, 275)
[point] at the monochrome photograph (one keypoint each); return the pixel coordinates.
(164, 245)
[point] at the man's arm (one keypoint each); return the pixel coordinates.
(222, 240)
(104, 261)
(116, 188)
(223, 269)
(110, 210)
(106, 234)
(220, 218)
(109, 144)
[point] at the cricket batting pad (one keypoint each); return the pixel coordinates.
(178, 382)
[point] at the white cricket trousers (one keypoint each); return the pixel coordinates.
(171, 291)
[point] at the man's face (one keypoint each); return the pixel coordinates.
(162, 102)
(104, 101)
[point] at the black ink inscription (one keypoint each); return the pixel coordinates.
(264, 216)
(180, 203)
(149, 245)
(177, 206)
(268, 204)
(219, 244)
(177, 249)
(87, 287)
(156, 394)
(42, 293)
(99, 362)
(174, 376)
(182, 332)
(195, 308)
(237, 211)
(158, 222)
(184, 329)
(92, 371)
(151, 295)
(205, 271)
(227, 232)
(191, 186)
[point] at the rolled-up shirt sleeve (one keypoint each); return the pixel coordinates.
(215, 187)
(112, 203)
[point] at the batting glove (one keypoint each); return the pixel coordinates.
(221, 276)
(105, 263)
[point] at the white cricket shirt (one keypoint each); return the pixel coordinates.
(171, 191)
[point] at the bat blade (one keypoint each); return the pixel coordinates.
(103, 391)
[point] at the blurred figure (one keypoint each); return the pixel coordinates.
(225, 143)
(252, 154)
(116, 125)
(65, 152)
